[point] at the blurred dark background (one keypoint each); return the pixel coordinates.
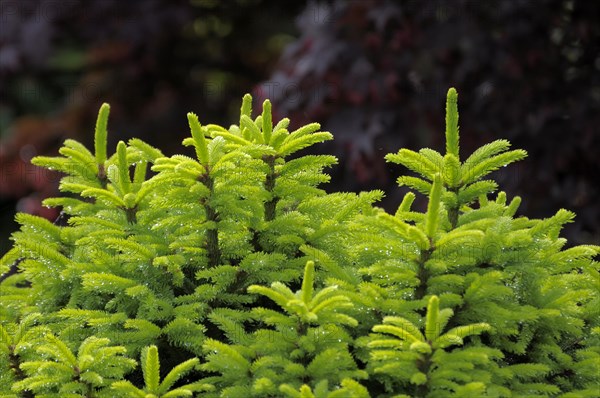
(373, 72)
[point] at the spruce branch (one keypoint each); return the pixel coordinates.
(308, 281)
(267, 122)
(433, 208)
(207, 256)
(146, 151)
(513, 206)
(200, 144)
(153, 387)
(124, 180)
(431, 324)
(471, 192)
(415, 161)
(452, 123)
(348, 389)
(14, 338)
(451, 171)
(415, 183)
(84, 159)
(487, 151)
(418, 354)
(250, 130)
(473, 172)
(246, 109)
(406, 203)
(304, 304)
(59, 371)
(100, 140)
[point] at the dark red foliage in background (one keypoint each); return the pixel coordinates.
(152, 60)
(375, 73)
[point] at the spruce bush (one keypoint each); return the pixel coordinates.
(230, 273)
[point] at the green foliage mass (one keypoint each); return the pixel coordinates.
(247, 279)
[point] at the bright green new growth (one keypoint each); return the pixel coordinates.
(452, 123)
(154, 388)
(433, 208)
(306, 306)
(463, 180)
(267, 122)
(199, 139)
(247, 279)
(101, 134)
(428, 348)
(58, 370)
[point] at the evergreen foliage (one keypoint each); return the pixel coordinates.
(251, 281)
